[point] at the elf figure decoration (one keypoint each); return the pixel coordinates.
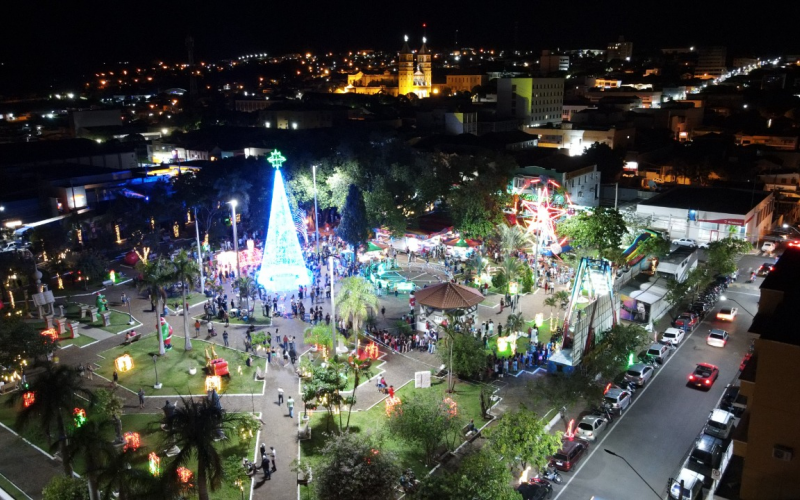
(166, 333)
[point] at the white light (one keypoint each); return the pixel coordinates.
(294, 125)
(99, 141)
(267, 124)
(233, 203)
(164, 131)
(405, 38)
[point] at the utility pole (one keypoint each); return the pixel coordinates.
(333, 306)
(316, 213)
(199, 252)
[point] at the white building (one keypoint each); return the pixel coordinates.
(580, 178)
(531, 101)
(709, 214)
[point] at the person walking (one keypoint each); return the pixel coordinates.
(274, 459)
(383, 311)
(265, 467)
(141, 397)
(280, 396)
(196, 328)
(116, 378)
(225, 337)
(290, 405)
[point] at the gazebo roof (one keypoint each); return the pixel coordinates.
(448, 295)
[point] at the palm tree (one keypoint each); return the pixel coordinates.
(186, 271)
(511, 268)
(55, 395)
(360, 368)
(355, 301)
(512, 238)
(156, 274)
(119, 480)
(515, 323)
(247, 288)
(87, 442)
(552, 303)
(196, 425)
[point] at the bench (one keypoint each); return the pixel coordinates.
(133, 339)
(470, 435)
(7, 387)
(441, 371)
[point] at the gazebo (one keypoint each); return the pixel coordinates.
(435, 302)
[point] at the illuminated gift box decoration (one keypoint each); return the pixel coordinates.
(132, 441)
(154, 464)
(214, 382)
(28, 399)
(451, 406)
(51, 332)
(184, 475)
(372, 350)
(124, 363)
(79, 415)
(392, 405)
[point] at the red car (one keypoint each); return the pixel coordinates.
(687, 321)
(704, 375)
(567, 457)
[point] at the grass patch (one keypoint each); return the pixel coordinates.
(173, 368)
(11, 489)
(256, 320)
(119, 321)
(466, 395)
(78, 341)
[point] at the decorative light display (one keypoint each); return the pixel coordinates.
(176, 230)
(51, 332)
(451, 406)
(116, 230)
(538, 320)
(282, 267)
(28, 399)
(570, 433)
(60, 281)
(112, 276)
(523, 477)
(132, 441)
(184, 475)
(80, 236)
(11, 299)
(213, 382)
(372, 351)
(392, 405)
(152, 224)
(507, 343)
(79, 416)
(544, 210)
(154, 464)
(324, 351)
(188, 217)
(124, 363)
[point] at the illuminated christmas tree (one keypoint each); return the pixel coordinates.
(283, 267)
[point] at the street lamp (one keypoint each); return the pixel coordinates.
(316, 213)
(199, 252)
(634, 470)
(130, 316)
(723, 298)
(233, 204)
(155, 367)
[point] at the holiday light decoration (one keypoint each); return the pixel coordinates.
(79, 416)
(176, 230)
(570, 433)
(124, 363)
(372, 351)
(451, 406)
(283, 267)
(213, 382)
(51, 332)
(184, 475)
(60, 281)
(509, 342)
(132, 441)
(116, 230)
(523, 477)
(28, 399)
(112, 276)
(392, 405)
(154, 464)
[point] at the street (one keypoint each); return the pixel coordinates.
(656, 432)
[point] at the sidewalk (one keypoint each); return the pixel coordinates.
(28, 468)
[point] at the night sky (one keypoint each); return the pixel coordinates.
(59, 34)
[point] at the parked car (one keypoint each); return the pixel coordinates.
(692, 486)
(673, 336)
(704, 245)
(567, 457)
(704, 375)
(765, 269)
(727, 313)
(720, 424)
(618, 399)
(659, 352)
(590, 427)
(536, 490)
(769, 246)
(687, 321)
(685, 242)
(717, 338)
(639, 374)
(706, 455)
(7, 246)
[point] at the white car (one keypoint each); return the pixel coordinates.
(685, 242)
(769, 246)
(727, 313)
(717, 338)
(673, 336)
(590, 427)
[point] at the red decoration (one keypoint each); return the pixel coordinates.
(184, 475)
(51, 332)
(570, 430)
(372, 351)
(28, 399)
(132, 441)
(451, 406)
(392, 405)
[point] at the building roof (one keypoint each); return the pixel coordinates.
(781, 325)
(42, 151)
(447, 296)
(708, 199)
(560, 163)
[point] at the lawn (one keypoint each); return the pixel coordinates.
(78, 341)
(466, 395)
(173, 368)
(258, 319)
(12, 490)
(119, 321)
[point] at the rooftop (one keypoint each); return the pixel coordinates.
(781, 325)
(708, 199)
(560, 163)
(446, 296)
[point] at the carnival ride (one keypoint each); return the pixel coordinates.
(632, 254)
(541, 209)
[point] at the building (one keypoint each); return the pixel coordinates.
(550, 63)
(711, 62)
(650, 98)
(769, 448)
(576, 139)
(575, 174)
(778, 140)
(465, 83)
(619, 50)
(533, 102)
(411, 78)
(710, 213)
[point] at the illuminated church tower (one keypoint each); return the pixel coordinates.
(405, 80)
(282, 267)
(424, 74)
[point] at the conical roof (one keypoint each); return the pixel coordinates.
(446, 296)
(424, 48)
(406, 49)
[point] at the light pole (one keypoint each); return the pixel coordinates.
(634, 470)
(333, 306)
(155, 367)
(316, 213)
(130, 316)
(233, 204)
(199, 252)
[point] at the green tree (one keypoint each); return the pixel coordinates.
(327, 383)
(597, 232)
(515, 323)
(356, 466)
(56, 393)
(156, 275)
(186, 271)
(565, 391)
(481, 475)
(609, 162)
(353, 227)
(360, 368)
(512, 239)
(521, 438)
(511, 269)
(462, 353)
(610, 356)
(66, 488)
(21, 341)
(723, 255)
(87, 442)
(425, 420)
(247, 289)
(355, 301)
(194, 429)
(92, 265)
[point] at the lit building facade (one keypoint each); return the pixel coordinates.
(533, 102)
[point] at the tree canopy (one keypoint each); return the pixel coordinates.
(353, 227)
(597, 232)
(521, 439)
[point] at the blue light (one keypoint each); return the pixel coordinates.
(283, 267)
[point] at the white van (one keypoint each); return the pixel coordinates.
(692, 486)
(768, 246)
